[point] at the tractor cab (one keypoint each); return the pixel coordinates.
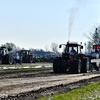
(26, 56)
(71, 51)
(96, 52)
(73, 48)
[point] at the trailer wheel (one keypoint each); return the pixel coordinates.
(56, 65)
(85, 65)
(76, 69)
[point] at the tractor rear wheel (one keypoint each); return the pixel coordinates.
(85, 65)
(9, 59)
(76, 69)
(63, 66)
(56, 65)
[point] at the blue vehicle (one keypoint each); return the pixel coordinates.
(17, 58)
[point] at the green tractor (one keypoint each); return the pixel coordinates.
(26, 56)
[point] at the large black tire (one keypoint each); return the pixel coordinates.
(90, 65)
(9, 59)
(76, 68)
(0, 60)
(63, 66)
(56, 65)
(85, 65)
(97, 68)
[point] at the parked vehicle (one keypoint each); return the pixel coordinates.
(5, 56)
(95, 57)
(26, 56)
(17, 57)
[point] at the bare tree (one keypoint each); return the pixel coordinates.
(11, 45)
(47, 48)
(18, 48)
(54, 47)
(89, 47)
(94, 38)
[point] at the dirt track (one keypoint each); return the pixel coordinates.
(30, 84)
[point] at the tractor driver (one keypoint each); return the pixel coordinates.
(74, 51)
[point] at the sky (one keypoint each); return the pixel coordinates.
(38, 23)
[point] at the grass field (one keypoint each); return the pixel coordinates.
(90, 92)
(28, 66)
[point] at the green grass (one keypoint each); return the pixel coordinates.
(45, 66)
(83, 93)
(3, 69)
(29, 66)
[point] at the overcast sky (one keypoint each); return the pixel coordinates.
(37, 23)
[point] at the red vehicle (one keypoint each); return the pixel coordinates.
(72, 60)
